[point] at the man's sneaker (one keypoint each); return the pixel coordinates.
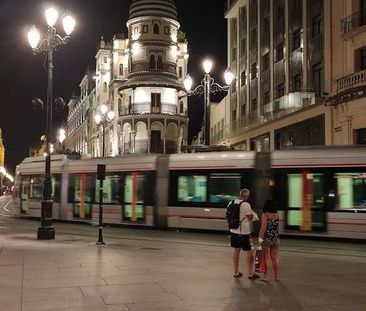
(255, 276)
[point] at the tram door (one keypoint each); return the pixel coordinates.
(24, 192)
(82, 196)
(134, 193)
(306, 202)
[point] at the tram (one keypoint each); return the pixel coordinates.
(320, 192)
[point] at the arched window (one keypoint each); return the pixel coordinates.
(180, 72)
(156, 29)
(160, 62)
(120, 108)
(152, 64)
(130, 68)
(105, 87)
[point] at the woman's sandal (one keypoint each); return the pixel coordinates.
(239, 275)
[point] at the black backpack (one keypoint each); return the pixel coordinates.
(233, 215)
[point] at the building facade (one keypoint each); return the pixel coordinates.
(140, 78)
(348, 72)
(276, 50)
(300, 74)
(78, 121)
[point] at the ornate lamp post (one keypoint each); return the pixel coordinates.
(103, 119)
(207, 86)
(47, 45)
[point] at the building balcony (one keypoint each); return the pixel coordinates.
(353, 24)
(351, 81)
(147, 108)
(280, 107)
(151, 117)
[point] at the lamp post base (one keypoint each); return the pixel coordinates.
(100, 237)
(46, 231)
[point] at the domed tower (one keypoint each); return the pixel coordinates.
(153, 117)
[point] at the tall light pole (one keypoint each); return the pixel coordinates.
(207, 86)
(47, 45)
(103, 119)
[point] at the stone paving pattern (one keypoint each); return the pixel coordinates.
(153, 270)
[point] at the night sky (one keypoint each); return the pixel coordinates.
(23, 77)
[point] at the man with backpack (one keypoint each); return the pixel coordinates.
(239, 215)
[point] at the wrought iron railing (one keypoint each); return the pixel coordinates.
(351, 81)
(280, 107)
(353, 22)
(147, 108)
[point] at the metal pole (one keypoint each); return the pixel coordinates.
(46, 231)
(103, 143)
(207, 107)
(100, 231)
(206, 94)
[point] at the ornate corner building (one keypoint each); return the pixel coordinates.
(141, 79)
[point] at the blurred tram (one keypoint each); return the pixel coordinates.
(319, 192)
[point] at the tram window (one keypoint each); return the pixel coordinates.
(351, 190)
(192, 188)
(134, 194)
(56, 187)
(110, 190)
(223, 187)
(36, 187)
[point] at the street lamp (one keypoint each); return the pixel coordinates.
(103, 119)
(47, 46)
(207, 86)
(61, 138)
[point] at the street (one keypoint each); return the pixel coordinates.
(166, 270)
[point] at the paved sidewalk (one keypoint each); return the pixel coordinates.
(151, 270)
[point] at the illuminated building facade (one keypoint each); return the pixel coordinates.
(300, 68)
(79, 122)
(276, 50)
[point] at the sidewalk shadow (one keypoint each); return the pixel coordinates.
(274, 296)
